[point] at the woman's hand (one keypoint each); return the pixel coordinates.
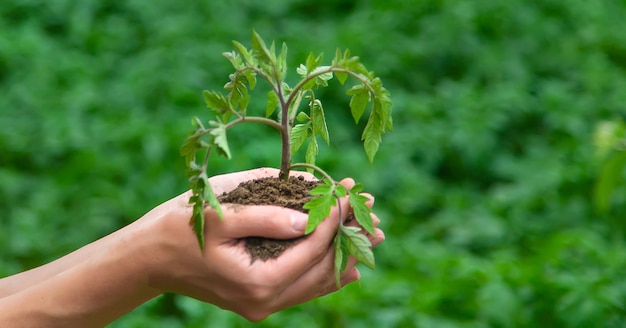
(159, 253)
(223, 274)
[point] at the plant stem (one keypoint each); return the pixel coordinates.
(255, 119)
(315, 168)
(285, 132)
(330, 69)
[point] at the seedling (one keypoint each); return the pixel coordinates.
(297, 124)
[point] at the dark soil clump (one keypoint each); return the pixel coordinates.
(270, 191)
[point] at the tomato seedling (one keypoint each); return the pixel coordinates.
(297, 124)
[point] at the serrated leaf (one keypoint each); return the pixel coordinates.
(301, 70)
(312, 61)
(359, 246)
(302, 117)
(358, 103)
(322, 189)
(191, 144)
(216, 102)
(319, 209)
(218, 139)
(238, 96)
(245, 53)
(197, 222)
(311, 151)
(234, 59)
(362, 212)
(272, 103)
(251, 78)
(319, 121)
(607, 136)
(372, 137)
(340, 258)
(209, 196)
(262, 53)
(299, 134)
(338, 58)
(341, 77)
(379, 121)
(281, 63)
(340, 191)
(610, 176)
(357, 188)
(268, 70)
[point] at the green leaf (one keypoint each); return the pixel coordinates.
(251, 77)
(302, 117)
(197, 220)
(325, 188)
(216, 102)
(192, 142)
(378, 122)
(218, 136)
(272, 103)
(358, 245)
(611, 174)
(341, 258)
(358, 102)
(311, 151)
(319, 121)
(372, 136)
(209, 196)
(238, 96)
(341, 77)
(362, 212)
(234, 59)
(319, 209)
(312, 61)
(607, 136)
(281, 63)
(340, 191)
(299, 134)
(245, 53)
(262, 53)
(302, 70)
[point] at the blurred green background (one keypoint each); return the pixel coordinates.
(484, 186)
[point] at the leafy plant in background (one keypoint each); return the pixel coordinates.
(610, 142)
(296, 127)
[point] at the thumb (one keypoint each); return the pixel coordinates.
(259, 221)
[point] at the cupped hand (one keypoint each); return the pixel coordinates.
(223, 274)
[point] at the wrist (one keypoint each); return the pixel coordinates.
(94, 292)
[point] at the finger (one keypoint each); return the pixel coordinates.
(304, 255)
(378, 238)
(318, 281)
(375, 219)
(258, 221)
(347, 182)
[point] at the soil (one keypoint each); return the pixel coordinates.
(270, 191)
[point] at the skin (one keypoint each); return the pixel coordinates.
(159, 253)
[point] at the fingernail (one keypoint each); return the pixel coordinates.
(299, 221)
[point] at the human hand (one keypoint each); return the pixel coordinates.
(222, 273)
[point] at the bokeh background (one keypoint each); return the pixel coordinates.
(485, 186)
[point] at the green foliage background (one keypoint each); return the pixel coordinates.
(484, 186)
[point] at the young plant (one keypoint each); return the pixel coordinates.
(231, 108)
